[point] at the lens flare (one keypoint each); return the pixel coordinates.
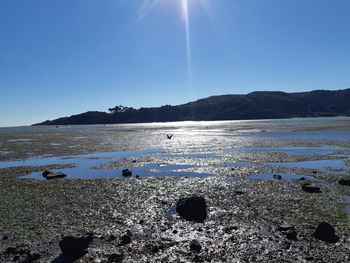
(185, 15)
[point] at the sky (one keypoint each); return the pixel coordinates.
(64, 57)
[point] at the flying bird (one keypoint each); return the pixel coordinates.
(169, 136)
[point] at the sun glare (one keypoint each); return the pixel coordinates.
(184, 9)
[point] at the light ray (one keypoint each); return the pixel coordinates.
(146, 7)
(185, 14)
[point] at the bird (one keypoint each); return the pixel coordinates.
(169, 136)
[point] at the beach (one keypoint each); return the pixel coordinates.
(253, 175)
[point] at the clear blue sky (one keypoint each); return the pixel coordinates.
(63, 57)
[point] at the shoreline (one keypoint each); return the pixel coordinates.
(244, 215)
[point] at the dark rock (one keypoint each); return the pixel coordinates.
(126, 172)
(33, 257)
(74, 248)
(116, 258)
(292, 235)
(125, 239)
(288, 231)
(156, 248)
(311, 189)
(344, 182)
(133, 161)
(284, 227)
(137, 176)
(239, 193)
(10, 250)
(277, 176)
(192, 209)
(195, 246)
(55, 175)
(111, 238)
(325, 232)
(302, 178)
(46, 173)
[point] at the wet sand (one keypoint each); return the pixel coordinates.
(244, 215)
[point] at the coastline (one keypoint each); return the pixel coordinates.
(244, 215)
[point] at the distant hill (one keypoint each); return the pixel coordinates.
(255, 105)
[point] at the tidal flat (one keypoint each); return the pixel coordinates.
(252, 174)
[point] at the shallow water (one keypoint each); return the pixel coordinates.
(295, 150)
(85, 163)
(335, 166)
(154, 170)
(194, 155)
(82, 161)
(285, 176)
(195, 139)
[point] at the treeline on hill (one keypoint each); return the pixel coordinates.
(255, 105)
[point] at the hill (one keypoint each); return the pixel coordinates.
(255, 105)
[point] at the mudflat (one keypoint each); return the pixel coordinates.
(255, 176)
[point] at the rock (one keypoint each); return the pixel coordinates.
(126, 172)
(125, 239)
(192, 209)
(33, 257)
(311, 189)
(74, 248)
(344, 182)
(115, 258)
(325, 232)
(284, 227)
(195, 246)
(10, 250)
(302, 178)
(46, 173)
(52, 175)
(156, 248)
(277, 176)
(288, 231)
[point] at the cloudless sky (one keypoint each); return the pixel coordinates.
(64, 57)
